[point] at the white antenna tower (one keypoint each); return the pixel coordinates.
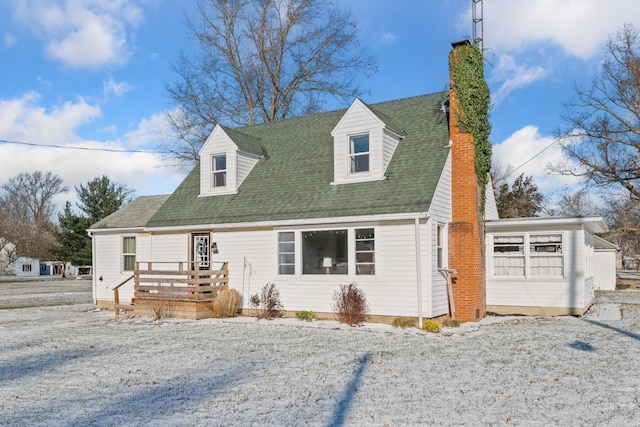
(478, 31)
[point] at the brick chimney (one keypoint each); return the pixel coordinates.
(466, 251)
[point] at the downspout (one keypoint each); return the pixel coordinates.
(418, 271)
(93, 268)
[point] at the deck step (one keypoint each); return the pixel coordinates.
(125, 307)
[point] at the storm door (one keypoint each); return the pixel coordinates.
(201, 251)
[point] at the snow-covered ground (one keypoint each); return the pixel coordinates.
(74, 365)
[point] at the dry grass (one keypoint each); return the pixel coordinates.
(226, 303)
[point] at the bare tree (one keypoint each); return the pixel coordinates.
(603, 138)
(572, 202)
(26, 207)
(261, 61)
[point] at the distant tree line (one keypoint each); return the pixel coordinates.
(29, 226)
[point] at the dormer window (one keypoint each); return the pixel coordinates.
(359, 153)
(219, 170)
(364, 141)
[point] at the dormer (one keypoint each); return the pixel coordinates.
(364, 141)
(226, 158)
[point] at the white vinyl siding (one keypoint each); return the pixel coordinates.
(246, 162)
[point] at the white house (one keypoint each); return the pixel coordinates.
(27, 267)
(382, 195)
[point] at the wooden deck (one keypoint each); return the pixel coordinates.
(182, 289)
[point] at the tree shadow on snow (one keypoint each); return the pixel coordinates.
(42, 363)
(158, 401)
(342, 410)
(613, 328)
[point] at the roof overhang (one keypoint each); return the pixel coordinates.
(293, 223)
(594, 224)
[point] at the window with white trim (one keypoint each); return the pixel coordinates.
(528, 255)
(128, 253)
(218, 170)
(286, 253)
(26, 268)
(440, 246)
(359, 153)
(545, 252)
(345, 251)
(365, 251)
(325, 252)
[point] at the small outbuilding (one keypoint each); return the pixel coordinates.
(604, 264)
(27, 267)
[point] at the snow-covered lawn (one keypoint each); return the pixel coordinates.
(75, 365)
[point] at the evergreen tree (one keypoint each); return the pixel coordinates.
(520, 200)
(97, 199)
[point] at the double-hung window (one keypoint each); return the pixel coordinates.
(219, 170)
(365, 251)
(359, 153)
(286, 253)
(128, 253)
(528, 255)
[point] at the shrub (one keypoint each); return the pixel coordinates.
(307, 316)
(161, 304)
(267, 302)
(431, 325)
(451, 323)
(350, 304)
(403, 322)
(226, 303)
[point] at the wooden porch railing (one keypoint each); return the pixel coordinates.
(116, 297)
(182, 281)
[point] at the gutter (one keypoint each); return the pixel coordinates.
(289, 223)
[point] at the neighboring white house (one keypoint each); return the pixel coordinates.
(27, 267)
(604, 264)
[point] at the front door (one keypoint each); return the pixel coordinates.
(201, 250)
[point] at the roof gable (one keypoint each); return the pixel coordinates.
(293, 181)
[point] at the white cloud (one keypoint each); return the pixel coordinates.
(81, 33)
(111, 87)
(579, 27)
(532, 153)
(149, 131)
(510, 75)
(389, 38)
(22, 119)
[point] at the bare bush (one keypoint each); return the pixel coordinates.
(226, 303)
(161, 305)
(267, 303)
(350, 304)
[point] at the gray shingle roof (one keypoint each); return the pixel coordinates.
(135, 214)
(293, 180)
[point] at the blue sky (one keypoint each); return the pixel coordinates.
(91, 73)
